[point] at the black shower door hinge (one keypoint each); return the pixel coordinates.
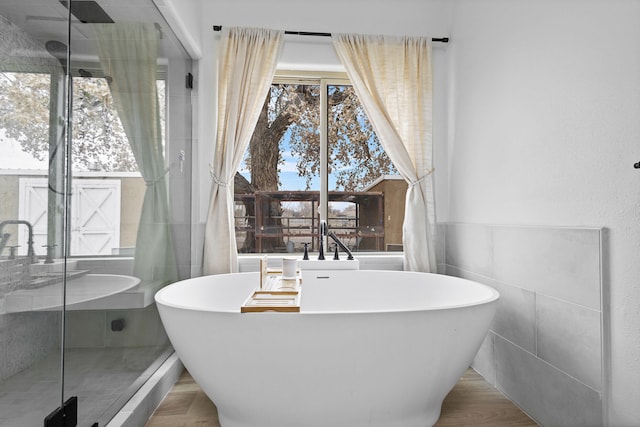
(65, 416)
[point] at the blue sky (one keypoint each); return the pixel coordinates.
(289, 179)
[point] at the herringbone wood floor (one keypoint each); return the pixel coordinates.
(472, 402)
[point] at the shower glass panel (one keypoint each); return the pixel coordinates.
(129, 165)
(94, 220)
(33, 181)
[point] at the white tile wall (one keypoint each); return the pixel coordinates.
(543, 391)
(470, 247)
(545, 346)
(559, 262)
(515, 317)
(569, 338)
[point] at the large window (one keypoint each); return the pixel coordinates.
(315, 156)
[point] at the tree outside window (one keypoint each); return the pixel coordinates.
(278, 187)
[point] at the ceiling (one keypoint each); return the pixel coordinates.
(46, 20)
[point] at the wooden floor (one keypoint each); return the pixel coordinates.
(472, 402)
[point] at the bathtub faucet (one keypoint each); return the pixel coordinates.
(324, 231)
(321, 234)
(340, 244)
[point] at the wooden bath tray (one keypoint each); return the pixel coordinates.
(277, 300)
(275, 292)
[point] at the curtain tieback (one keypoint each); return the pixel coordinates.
(216, 179)
(149, 182)
(422, 178)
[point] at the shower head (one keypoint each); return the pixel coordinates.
(59, 51)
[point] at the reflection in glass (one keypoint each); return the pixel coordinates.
(31, 113)
(111, 343)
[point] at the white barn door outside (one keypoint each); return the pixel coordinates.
(32, 207)
(95, 215)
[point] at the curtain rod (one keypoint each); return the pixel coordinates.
(307, 33)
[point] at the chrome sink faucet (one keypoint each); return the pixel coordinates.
(5, 237)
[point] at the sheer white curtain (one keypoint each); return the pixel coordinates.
(246, 65)
(128, 55)
(392, 77)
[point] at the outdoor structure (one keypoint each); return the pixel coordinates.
(360, 226)
(394, 188)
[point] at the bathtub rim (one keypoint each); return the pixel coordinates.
(493, 297)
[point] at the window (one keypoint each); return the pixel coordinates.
(315, 156)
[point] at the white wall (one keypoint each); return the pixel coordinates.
(545, 129)
(184, 18)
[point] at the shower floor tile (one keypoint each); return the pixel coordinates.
(101, 378)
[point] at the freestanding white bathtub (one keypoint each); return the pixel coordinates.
(368, 348)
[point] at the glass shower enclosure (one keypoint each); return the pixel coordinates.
(95, 148)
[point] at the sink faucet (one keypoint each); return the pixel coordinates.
(324, 231)
(30, 253)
